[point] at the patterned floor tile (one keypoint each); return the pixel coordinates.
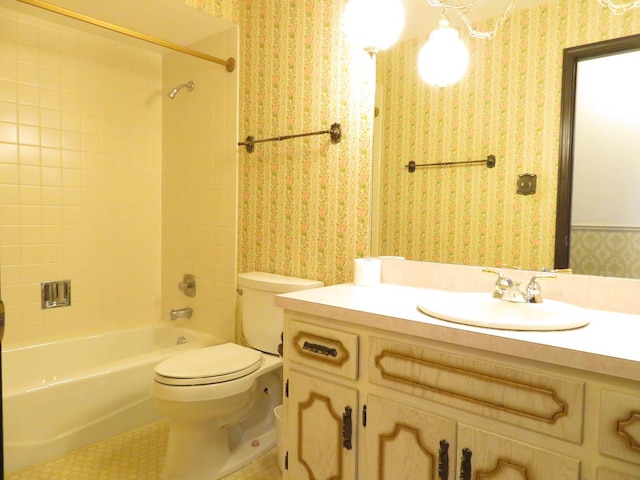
(135, 455)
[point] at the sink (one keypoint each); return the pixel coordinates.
(482, 310)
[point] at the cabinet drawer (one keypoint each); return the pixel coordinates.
(536, 401)
(324, 348)
(620, 425)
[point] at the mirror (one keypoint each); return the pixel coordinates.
(507, 105)
(598, 212)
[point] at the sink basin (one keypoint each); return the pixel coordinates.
(482, 310)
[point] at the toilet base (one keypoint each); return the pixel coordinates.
(250, 446)
(248, 451)
(199, 448)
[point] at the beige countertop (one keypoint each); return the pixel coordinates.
(609, 345)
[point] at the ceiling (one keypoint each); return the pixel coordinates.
(421, 18)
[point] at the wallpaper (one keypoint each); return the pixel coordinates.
(227, 9)
(508, 104)
(303, 203)
(613, 252)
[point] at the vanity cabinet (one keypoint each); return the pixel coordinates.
(372, 404)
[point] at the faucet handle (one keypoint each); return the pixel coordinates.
(533, 288)
(502, 283)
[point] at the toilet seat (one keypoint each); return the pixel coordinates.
(208, 366)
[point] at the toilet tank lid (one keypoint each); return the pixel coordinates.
(271, 282)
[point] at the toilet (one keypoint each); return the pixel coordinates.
(220, 399)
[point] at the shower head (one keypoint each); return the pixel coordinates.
(172, 94)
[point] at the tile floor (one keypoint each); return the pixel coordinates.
(135, 455)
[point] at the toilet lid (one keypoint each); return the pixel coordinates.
(204, 366)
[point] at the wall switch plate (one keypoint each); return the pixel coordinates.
(527, 183)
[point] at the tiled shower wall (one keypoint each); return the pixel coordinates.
(80, 166)
(199, 184)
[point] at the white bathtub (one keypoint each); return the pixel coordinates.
(63, 395)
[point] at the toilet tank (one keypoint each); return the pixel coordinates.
(261, 319)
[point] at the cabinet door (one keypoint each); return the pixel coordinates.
(403, 443)
(493, 457)
(620, 426)
(323, 418)
(605, 474)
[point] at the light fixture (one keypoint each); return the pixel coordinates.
(444, 58)
(373, 25)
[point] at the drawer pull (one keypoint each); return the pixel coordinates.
(443, 460)
(465, 465)
(347, 428)
(321, 349)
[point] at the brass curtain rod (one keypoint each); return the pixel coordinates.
(229, 63)
(335, 131)
(490, 161)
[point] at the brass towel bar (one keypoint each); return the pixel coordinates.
(490, 161)
(229, 63)
(335, 131)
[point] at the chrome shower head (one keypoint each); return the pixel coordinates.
(172, 94)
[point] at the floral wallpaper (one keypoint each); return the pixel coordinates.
(303, 203)
(508, 104)
(227, 9)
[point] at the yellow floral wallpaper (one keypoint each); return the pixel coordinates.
(303, 203)
(508, 104)
(227, 9)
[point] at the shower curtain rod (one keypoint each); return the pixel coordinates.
(335, 132)
(229, 63)
(490, 161)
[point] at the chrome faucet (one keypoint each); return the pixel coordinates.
(508, 290)
(185, 312)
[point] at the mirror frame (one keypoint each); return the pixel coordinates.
(570, 58)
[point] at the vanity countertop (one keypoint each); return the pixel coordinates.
(609, 345)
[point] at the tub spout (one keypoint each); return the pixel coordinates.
(181, 313)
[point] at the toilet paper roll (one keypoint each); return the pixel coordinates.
(366, 272)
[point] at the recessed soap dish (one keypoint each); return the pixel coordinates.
(55, 294)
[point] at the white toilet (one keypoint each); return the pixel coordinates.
(219, 400)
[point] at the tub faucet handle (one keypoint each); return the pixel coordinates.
(188, 285)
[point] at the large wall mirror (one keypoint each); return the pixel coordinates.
(508, 104)
(598, 212)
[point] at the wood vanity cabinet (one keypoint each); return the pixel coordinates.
(369, 404)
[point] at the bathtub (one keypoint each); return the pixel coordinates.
(64, 395)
